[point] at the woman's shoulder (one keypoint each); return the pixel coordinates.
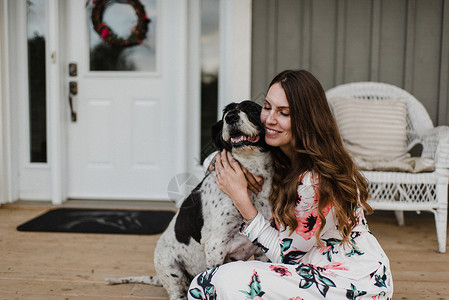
(309, 178)
(308, 188)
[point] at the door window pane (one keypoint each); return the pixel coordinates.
(36, 28)
(210, 45)
(109, 50)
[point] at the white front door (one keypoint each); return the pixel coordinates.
(123, 144)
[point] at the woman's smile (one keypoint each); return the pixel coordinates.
(271, 132)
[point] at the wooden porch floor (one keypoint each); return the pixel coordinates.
(73, 266)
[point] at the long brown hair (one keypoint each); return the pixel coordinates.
(318, 147)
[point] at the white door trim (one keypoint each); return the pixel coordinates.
(56, 143)
(180, 55)
(5, 140)
(36, 181)
(193, 122)
(18, 107)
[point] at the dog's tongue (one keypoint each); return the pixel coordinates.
(253, 139)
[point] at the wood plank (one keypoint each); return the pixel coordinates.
(73, 266)
(39, 265)
(419, 288)
(71, 288)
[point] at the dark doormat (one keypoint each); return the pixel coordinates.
(100, 221)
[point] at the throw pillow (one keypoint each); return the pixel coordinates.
(372, 130)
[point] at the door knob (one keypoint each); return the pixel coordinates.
(73, 90)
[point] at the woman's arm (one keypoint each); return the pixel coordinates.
(263, 235)
(209, 162)
(280, 246)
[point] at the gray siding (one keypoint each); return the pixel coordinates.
(401, 42)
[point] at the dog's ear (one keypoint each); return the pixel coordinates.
(217, 139)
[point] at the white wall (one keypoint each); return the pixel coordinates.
(401, 42)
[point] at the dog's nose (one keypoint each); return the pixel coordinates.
(232, 117)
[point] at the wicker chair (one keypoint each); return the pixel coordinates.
(401, 191)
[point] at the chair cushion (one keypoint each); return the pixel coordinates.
(372, 130)
(409, 165)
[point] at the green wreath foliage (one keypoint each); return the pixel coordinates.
(138, 32)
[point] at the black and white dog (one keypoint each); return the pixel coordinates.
(205, 231)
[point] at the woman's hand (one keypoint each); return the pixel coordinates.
(254, 182)
(232, 181)
(230, 176)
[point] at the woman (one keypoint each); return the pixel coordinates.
(319, 244)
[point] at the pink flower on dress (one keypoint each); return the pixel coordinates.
(310, 221)
(283, 271)
(296, 298)
(325, 249)
(336, 266)
(308, 224)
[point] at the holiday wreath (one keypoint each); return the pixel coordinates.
(138, 32)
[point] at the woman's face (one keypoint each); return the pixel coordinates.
(275, 116)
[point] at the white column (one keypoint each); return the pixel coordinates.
(235, 51)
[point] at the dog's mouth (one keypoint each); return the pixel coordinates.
(240, 140)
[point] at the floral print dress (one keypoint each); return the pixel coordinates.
(299, 268)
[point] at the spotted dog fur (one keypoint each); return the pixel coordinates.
(205, 231)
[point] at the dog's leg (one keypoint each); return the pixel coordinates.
(175, 283)
(170, 267)
(153, 280)
(260, 256)
(215, 253)
(174, 291)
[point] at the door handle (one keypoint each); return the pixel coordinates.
(73, 90)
